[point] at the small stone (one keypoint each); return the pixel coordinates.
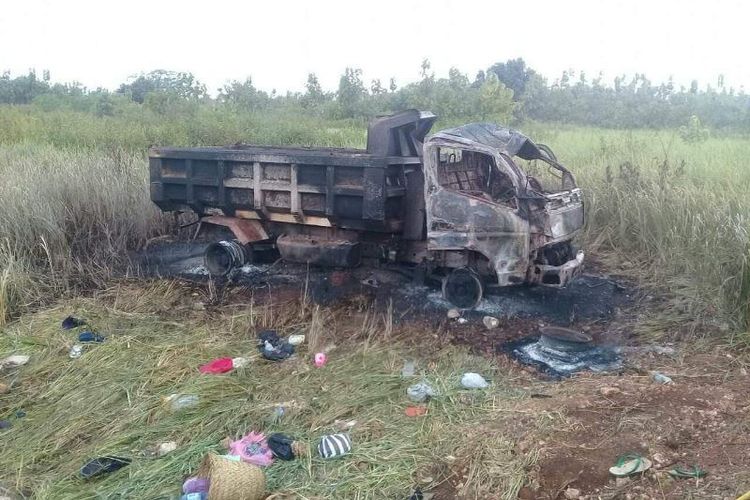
(572, 493)
(622, 481)
(609, 391)
(660, 378)
(454, 313)
(462, 321)
(4, 388)
(165, 448)
(660, 459)
(490, 322)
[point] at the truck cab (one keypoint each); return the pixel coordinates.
(489, 221)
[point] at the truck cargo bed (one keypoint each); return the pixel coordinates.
(318, 186)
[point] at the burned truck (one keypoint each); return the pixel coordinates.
(455, 205)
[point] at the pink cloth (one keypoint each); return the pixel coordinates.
(252, 449)
(221, 365)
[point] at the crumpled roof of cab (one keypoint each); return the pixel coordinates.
(507, 140)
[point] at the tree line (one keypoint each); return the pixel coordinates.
(507, 91)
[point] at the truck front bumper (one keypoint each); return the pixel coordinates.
(557, 276)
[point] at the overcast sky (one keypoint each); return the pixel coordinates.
(277, 42)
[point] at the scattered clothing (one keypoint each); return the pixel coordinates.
(272, 347)
(221, 365)
(334, 445)
(282, 446)
(70, 322)
(417, 495)
(196, 485)
(90, 337)
(253, 449)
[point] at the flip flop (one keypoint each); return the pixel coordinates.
(103, 465)
(687, 472)
(630, 464)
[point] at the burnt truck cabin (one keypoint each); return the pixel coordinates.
(454, 203)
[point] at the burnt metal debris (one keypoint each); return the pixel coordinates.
(455, 205)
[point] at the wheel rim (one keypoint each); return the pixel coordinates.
(462, 288)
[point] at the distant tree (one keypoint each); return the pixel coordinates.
(180, 85)
(376, 88)
(23, 89)
(495, 100)
(479, 79)
(314, 95)
(514, 74)
(351, 93)
(694, 131)
(243, 95)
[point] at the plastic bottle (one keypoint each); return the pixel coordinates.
(179, 402)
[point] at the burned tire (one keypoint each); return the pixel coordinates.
(463, 288)
(222, 257)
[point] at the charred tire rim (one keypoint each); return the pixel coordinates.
(565, 339)
(223, 256)
(463, 288)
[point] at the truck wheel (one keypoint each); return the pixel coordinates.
(463, 288)
(221, 257)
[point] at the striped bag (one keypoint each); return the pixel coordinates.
(334, 445)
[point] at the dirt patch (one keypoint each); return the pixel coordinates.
(701, 419)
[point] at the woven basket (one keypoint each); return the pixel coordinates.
(232, 480)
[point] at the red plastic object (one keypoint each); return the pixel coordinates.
(221, 365)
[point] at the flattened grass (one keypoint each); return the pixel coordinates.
(109, 401)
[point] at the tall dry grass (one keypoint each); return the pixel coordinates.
(677, 215)
(68, 219)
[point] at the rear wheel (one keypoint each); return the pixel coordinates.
(463, 288)
(222, 257)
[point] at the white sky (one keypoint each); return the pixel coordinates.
(277, 42)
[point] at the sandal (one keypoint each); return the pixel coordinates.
(629, 464)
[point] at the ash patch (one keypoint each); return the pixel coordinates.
(587, 298)
(562, 363)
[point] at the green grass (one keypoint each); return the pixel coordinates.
(109, 401)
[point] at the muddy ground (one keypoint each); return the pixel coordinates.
(701, 419)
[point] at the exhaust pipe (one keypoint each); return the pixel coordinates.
(223, 256)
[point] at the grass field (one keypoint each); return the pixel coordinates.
(670, 214)
(75, 196)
